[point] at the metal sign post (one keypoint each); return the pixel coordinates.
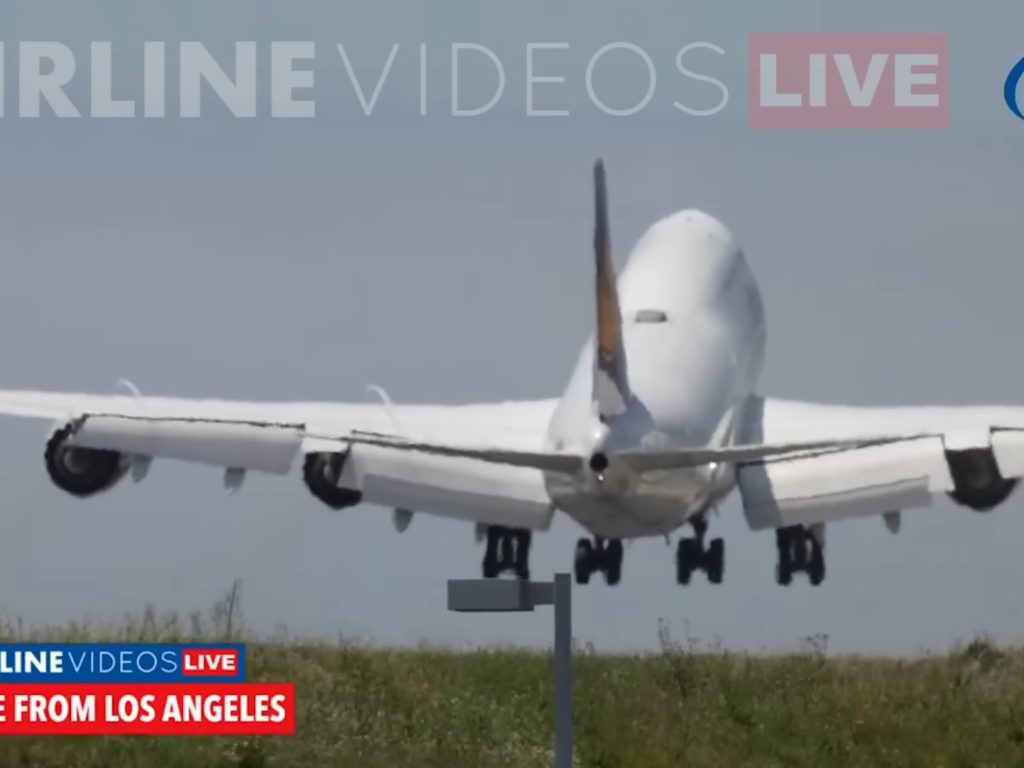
(492, 595)
(563, 670)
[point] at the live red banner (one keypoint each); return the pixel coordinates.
(159, 709)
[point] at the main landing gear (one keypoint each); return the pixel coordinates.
(800, 550)
(598, 555)
(691, 555)
(508, 549)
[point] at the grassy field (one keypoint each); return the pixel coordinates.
(370, 708)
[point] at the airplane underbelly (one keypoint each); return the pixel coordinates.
(652, 504)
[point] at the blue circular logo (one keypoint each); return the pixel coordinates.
(1010, 89)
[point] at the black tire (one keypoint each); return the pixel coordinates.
(816, 567)
(521, 566)
(684, 560)
(716, 561)
(613, 573)
(783, 573)
(490, 568)
(583, 561)
(613, 562)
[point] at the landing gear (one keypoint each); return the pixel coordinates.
(508, 549)
(691, 555)
(598, 555)
(800, 550)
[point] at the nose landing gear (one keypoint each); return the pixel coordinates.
(598, 555)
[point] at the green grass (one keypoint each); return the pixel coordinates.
(361, 707)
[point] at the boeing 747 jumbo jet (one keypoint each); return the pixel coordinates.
(659, 422)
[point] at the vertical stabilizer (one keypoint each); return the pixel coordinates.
(611, 384)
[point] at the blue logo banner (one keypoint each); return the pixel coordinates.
(122, 663)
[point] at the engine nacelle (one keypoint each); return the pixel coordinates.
(82, 471)
(977, 482)
(321, 472)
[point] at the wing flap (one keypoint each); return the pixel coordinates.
(861, 482)
(457, 488)
(486, 486)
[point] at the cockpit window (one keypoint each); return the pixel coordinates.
(651, 316)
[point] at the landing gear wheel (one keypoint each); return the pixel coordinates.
(784, 561)
(816, 567)
(692, 555)
(521, 563)
(685, 560)
(716, 561)
(800, 549)
(583, 561)
(613, 562)
(508, 549)
(783, 574)
(491, 566)
(598, 555)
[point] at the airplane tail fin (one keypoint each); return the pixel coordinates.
(611, 384)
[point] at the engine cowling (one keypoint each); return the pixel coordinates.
(321, 473)
(82, 471)
(977, 482)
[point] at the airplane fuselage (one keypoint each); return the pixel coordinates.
(694, 336)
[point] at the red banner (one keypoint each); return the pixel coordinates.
(166, 709)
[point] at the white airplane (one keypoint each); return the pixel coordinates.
(660, 420)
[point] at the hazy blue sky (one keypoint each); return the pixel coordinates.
(305, 259)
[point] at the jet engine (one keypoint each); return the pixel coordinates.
(977, 482)
(82, 471)
(322, 472)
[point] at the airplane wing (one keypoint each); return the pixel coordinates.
(796, 463)
(133, 430)
(907, 456)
